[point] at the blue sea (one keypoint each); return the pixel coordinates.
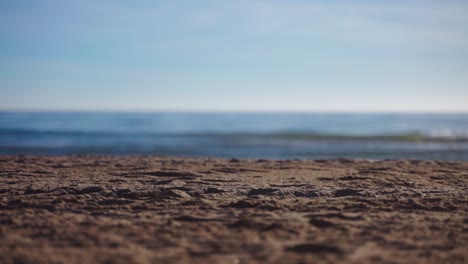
(237, 135)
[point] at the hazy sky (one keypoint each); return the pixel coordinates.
(234, 55)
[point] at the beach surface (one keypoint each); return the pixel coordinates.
(87, 209)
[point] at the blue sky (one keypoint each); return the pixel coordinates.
(234, 55)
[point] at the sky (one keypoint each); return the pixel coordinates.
(242, 55)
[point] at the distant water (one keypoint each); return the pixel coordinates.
(239, 135)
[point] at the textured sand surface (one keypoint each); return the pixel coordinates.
(84, 209)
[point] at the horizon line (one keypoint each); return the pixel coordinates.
(246, 111)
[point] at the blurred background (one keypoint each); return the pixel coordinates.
(245, 79)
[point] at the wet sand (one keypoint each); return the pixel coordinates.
(85, 209)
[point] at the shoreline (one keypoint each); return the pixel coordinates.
(144, 209)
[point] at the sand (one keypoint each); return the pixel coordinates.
(86, 209)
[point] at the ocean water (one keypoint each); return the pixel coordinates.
(238, 135)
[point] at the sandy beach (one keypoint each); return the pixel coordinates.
(87, 209)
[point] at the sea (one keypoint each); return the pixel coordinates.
(428, 136)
